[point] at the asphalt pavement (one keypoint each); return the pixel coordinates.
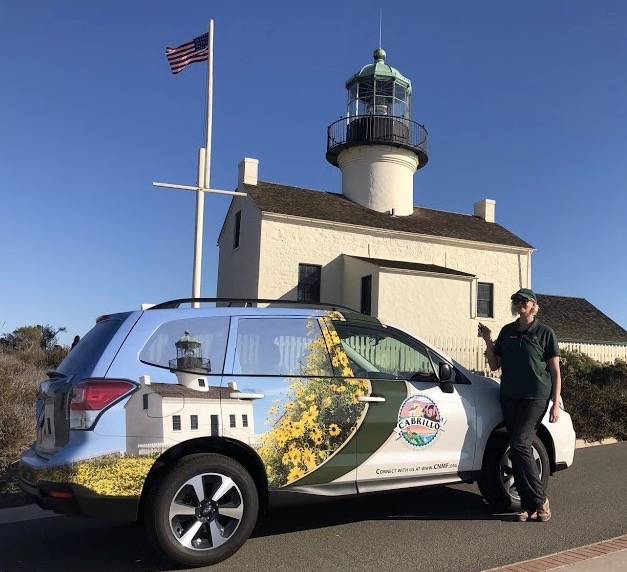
(444, 529)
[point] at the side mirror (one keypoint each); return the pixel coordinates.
(446, 377)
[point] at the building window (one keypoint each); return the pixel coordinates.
(238, 227)
(485, 300)
(366, 294)
(215, 426)
(176, 422)
(201, 382)
(244, 420)
(308, 283)
(231, 420)
(193, 421)
(145, 401)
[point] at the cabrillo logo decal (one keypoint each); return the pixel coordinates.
(419, 421)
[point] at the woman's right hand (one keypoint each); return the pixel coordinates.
(485, 332)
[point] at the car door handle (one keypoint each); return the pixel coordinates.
(370, 399)
(240, 395)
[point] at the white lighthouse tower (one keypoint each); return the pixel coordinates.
(377, 146)
(189, 366)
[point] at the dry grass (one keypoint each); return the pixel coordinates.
(20, 373)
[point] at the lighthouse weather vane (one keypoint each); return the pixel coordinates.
(197, 50)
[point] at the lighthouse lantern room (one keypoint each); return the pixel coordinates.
(376, 145)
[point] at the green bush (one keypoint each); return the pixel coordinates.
(595, 395)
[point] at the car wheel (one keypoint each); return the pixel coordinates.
(496, 481)
(202, 510)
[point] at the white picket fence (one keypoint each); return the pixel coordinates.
(150, 448)
(599, 352)
(470, 352)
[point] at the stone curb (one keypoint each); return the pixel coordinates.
(22, 513)
(580, 443)
(600, 553)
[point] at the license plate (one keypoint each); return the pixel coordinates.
(45, 427)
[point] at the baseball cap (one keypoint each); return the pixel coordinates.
(525, 293)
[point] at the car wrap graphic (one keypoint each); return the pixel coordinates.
(419, 421)
(316, 431)
(112, 474)
(313, 425)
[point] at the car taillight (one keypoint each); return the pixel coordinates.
(96, 394)
(91, 396)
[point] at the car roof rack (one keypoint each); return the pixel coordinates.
(248, 303)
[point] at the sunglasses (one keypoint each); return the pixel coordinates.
(517, 301)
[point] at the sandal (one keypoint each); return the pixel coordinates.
(526, 515)
(544, 511)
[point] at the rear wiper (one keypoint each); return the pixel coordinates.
(54, 374)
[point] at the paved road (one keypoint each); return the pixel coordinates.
(447, 529)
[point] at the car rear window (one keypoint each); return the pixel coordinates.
(84, 357)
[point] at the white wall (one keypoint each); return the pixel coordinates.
(379, 177)
(238, 269)
(425, 304)
(287, 242)
(354, 270)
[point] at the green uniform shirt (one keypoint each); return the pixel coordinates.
(524, 357)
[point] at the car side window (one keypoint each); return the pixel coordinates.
(281, 346)
(374, 351)
(195, 344)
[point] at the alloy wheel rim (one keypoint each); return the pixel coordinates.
(507, 472)
(206, 511)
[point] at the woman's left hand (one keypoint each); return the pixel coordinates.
(555, 413)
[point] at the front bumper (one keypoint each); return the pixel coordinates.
(563, 435)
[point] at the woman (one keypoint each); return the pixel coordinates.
(527, 352)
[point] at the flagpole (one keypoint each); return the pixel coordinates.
(204, 171)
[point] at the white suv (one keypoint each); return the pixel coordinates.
(194, 419)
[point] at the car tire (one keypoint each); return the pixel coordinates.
(496, 481)
(193, 531)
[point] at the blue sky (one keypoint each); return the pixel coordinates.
(525, 103)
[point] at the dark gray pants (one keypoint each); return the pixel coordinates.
(522, 419)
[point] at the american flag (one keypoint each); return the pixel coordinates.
(188, 53)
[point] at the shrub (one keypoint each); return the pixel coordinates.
(595, 395)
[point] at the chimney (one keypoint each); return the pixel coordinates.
(485, 209)
(247, 172)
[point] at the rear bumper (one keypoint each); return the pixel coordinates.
(51, 483)
(75, 500)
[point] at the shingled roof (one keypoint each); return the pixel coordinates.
(176, 390)
(320, 205)
(576, 320)
(401, 265)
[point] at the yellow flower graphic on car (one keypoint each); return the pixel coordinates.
(317, 414)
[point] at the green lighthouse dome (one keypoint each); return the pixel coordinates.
(379, 70)
(378, 112)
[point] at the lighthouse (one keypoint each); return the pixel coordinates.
(189, 366)
(376, 145)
